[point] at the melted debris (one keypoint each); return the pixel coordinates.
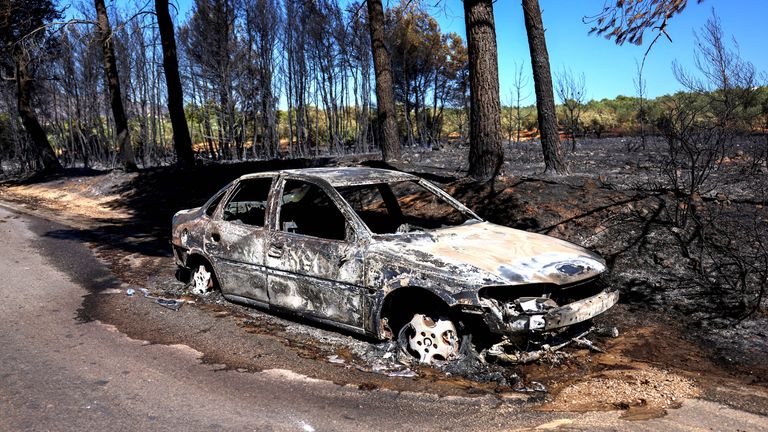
(173, 304)
(507, 351)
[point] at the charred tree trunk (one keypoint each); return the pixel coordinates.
(24, 81)
(542, 82)
(271, 140)
(385, 97)
(125, 149)
(181, 140)
(30, 122)
(485, 152)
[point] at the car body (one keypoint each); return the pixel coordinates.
(371, 250)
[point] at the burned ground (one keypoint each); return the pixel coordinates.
(672, 319)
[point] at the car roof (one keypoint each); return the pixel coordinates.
(344, 176)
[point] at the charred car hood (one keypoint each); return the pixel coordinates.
(485, 253)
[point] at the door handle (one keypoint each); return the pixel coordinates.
(275, 250)
(215, 237)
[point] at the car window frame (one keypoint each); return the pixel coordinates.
(218, 215)
(458, 205)
(222, 193)
(358, 230)
(358, 219)
(235, 189)
(429, 186)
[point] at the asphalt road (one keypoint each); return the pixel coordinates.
(60, 373)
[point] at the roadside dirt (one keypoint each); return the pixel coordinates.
(656, 361)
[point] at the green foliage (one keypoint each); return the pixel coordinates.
(621, 115)
(430, 71)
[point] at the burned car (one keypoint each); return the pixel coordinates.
(386, 254)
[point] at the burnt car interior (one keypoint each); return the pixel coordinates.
(306, 209)
(400, 207)
(249, 203)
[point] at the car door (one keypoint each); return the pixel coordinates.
(235, 240)
(315, 265)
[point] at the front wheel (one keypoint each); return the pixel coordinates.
(429, 340)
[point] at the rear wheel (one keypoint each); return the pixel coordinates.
(201, 281)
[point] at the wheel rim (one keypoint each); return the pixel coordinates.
(201, 280)
(432, 340)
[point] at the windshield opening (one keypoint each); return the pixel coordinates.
(401, 207)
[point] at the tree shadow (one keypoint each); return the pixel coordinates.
(131, 239)
(150, 198)
(42, 177)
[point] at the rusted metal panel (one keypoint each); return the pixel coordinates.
(319, 277)
(485, 253)
(316, 277)
(238, 255)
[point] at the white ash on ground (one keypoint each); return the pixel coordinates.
(621, 389)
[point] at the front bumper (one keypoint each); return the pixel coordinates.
(563, 316)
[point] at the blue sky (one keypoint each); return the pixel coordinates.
(609, 69)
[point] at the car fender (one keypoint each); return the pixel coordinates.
(195, 251)
(408, 282)
(397, 284)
